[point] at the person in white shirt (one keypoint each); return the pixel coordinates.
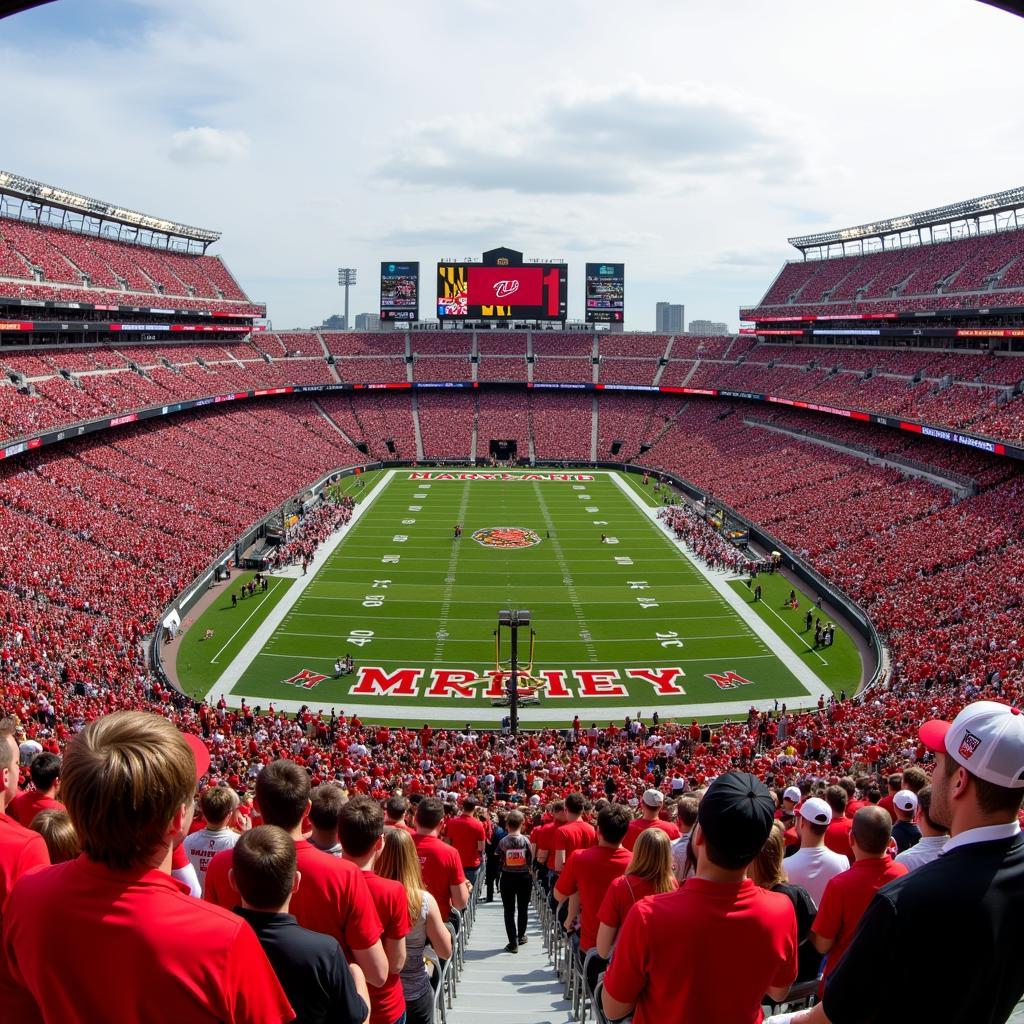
(933, 837)
(686, 818)
(217, 803)
(814, 863)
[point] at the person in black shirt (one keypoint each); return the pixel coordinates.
(311, 967)
(943, 942)
(515, 858)
(905, 832)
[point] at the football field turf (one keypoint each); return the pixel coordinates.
(623, 624)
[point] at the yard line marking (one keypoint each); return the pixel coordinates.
(449, 585)
(570, 588)
(270, 590)
(553, 664)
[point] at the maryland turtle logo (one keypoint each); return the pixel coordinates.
(506, 537)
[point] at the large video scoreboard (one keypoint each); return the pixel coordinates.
(604, 300)
(399, 291)
(502, 288)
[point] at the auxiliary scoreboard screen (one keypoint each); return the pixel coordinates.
(530, 291)
(605, 293)
(400, 291)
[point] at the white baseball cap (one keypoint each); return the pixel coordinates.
(816, 811)
(986, 738)
(654, 797)
(792, 793)
(905, 800)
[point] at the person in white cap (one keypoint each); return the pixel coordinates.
(814, 863)
(650, 807)
(933, 836)
(905, 833)
(964, 912)
(791, 796)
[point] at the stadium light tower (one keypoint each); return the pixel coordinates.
(346, 278)
(513, 618)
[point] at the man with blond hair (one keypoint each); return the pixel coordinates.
(110, 935)
(217, 803)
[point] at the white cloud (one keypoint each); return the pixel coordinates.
(563, 129)
(208, 145)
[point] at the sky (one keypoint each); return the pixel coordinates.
(685, 139)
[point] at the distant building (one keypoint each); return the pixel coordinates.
(367, 321)
(708, 328)
(334, 323)
(669, 318)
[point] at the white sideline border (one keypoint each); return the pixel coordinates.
(453, 710)
(719, 580)
(245, 657)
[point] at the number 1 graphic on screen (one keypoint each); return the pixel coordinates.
(551, 282)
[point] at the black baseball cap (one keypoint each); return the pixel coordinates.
(736, 814)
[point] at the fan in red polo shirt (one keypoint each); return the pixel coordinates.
(468, 836)
(440, 865)
(650, 805)
(45, 774)
(332, 897)
(573, 834)
(361, 830)
(848, 894)
(588, 873)
(131, 941)
(676, 956)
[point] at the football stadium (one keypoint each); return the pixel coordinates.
(502, 656)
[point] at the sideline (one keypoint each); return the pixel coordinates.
(719, 580)
(266, 596)
(233, 673)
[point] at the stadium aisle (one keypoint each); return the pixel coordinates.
(506, 988)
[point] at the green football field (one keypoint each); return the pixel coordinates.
(623, 624)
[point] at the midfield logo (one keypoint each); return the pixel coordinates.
(307, 679)
(506, 537)
(729, 681)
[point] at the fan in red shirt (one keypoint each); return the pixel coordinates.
(675, 959)
(572, 834)
(45, 774)
(361, 830)
(648, 874)
(129, 786)
(590, 872)
(848, 894)
(395, 811)
(650, 806)
(468, 835)
(440, 865)
(332, 897)
(837, 835)
(20, 851)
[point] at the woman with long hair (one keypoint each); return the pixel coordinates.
(398, 861)
(648, 873)
(768, 871)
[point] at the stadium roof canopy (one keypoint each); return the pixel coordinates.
(968, 211)
(7, 7)
(39, 196)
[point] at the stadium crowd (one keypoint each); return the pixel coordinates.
(107, 531)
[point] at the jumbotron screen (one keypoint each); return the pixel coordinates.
(472, 291)
(400, 291)
(605, 293)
